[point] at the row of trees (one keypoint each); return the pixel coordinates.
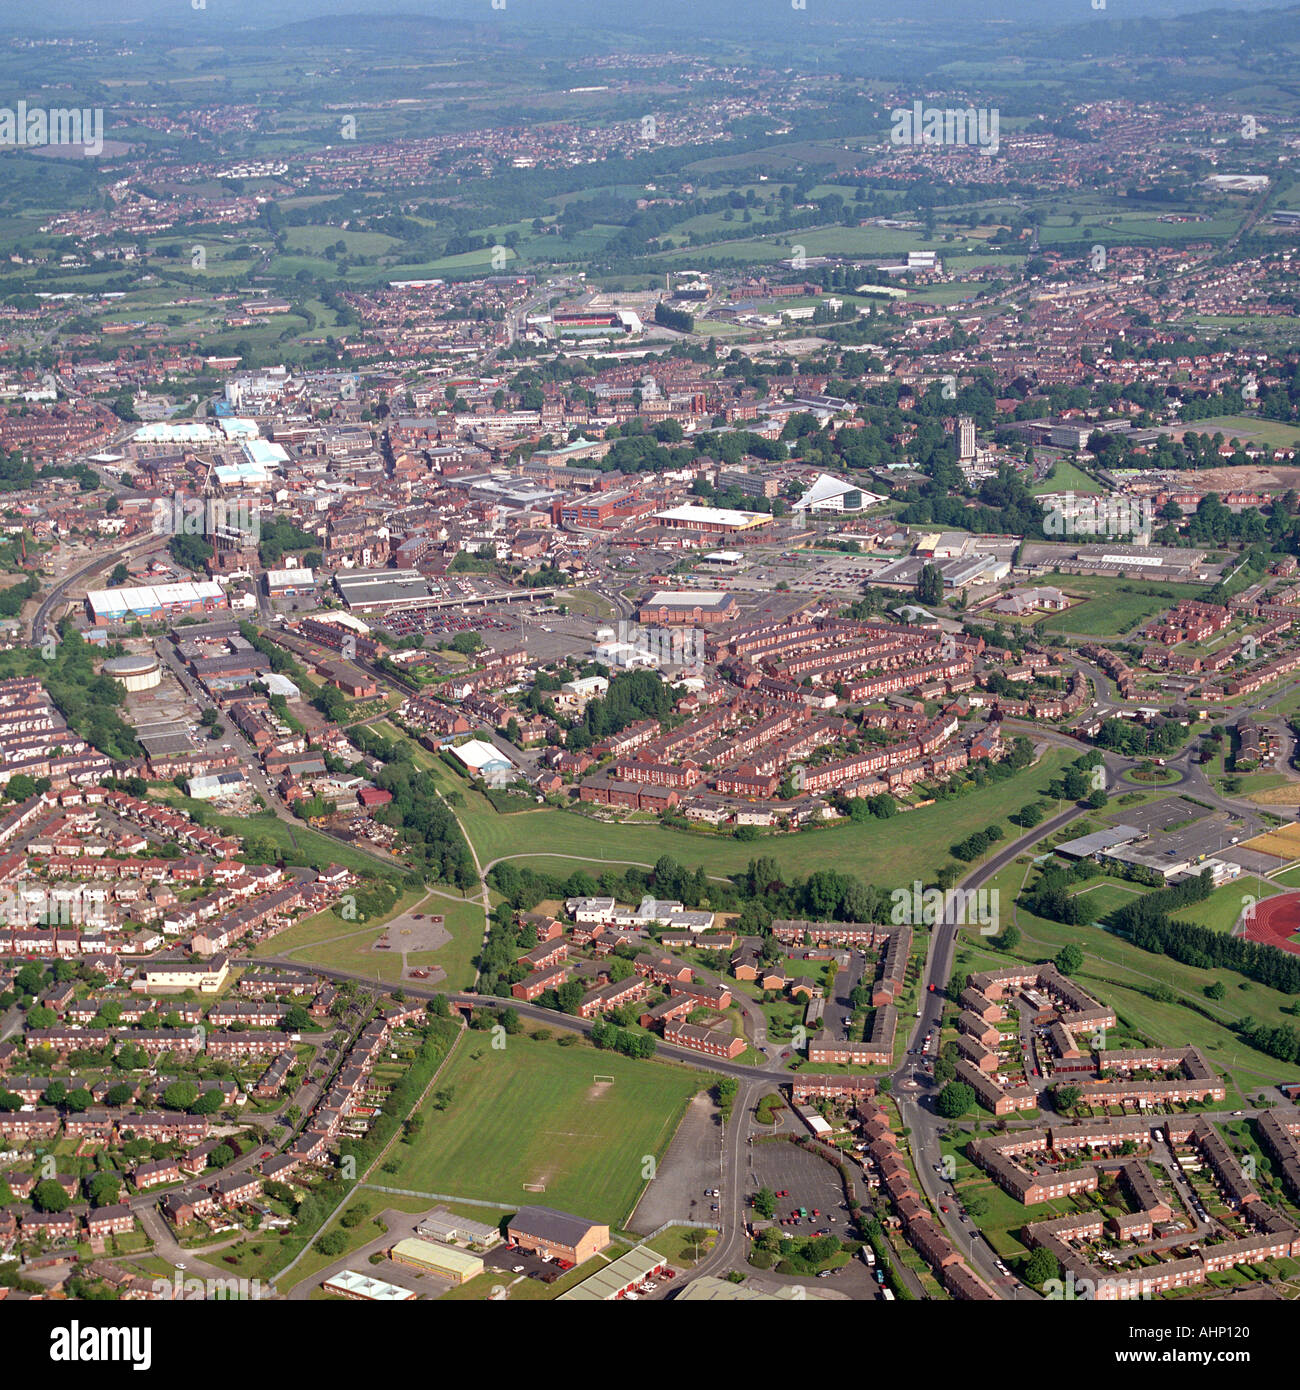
(976, 843)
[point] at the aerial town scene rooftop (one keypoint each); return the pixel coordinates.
(653, 659)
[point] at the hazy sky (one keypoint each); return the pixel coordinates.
(709, 15)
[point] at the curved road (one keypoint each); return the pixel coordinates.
(41, 618)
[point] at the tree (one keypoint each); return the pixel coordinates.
(570, 995)
(955, 1100)
(1069, 959)
(929, 585)
(1041, 1266)
(105, 1189)
(765, 1202)
(208, 1103)
(49, 1196)
(332, 1243)
(1010, 937)
(1067, 1097)
(180, 1095)
(724, 1093)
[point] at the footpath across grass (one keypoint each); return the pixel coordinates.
(889, 853)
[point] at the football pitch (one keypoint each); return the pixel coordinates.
(531, 1123)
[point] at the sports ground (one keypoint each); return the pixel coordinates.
(531, 1122)
(1276, 922)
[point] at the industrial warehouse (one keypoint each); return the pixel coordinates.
(204, 596)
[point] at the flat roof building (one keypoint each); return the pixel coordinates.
(1085, 846)
(441, 1224)
(715, 520)
(348, 1283)
(154, 601)
(694, 606)
(443, 1260)
(710, 1289)
(371, 590)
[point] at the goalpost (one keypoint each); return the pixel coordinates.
(597, 1077)
(534, 1187)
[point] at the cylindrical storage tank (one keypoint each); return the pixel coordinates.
(134, 672)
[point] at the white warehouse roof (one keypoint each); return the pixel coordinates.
(150, 598)
(478, 754)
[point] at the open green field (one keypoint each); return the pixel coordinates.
(1221, 909)
(328, 940)
(1067, 477)
(304, 845)
(1252, 782)
(314, 240)
(960, 293)
(816, 241)
(1113, 606)
(886, 852)
(531, 1112)
(1250, 429)
(1096, 221)
(592, 604)
(1101, 897)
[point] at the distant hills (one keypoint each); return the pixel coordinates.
(720, 18)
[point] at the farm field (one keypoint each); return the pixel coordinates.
(532, 1113)
(1282, 843)
(1280, 792)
